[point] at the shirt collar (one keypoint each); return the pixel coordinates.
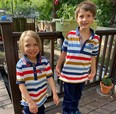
(92, 31)
(28, 62)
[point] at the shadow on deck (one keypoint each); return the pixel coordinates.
(92, 102)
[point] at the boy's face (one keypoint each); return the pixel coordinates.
(30, 47)
(84, 19)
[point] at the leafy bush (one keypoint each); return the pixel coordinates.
(26, 9)
(66, 11)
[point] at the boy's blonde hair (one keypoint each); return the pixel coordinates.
(87, 6)
(31, 34)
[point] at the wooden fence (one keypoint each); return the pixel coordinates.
(106, 59)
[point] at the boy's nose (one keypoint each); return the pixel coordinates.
(84, 19)
(32, 47)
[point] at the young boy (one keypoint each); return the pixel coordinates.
(79, 52)
(33, 71)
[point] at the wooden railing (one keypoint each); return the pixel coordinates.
(106, 59)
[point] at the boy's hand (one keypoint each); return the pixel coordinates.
(91, 76)
(58, 71)
(56, 99)
(33, 107)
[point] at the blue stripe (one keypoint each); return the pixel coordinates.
(20, 82)
(19, 67)
(95, 52)
(42, 102)
(36, 84)
(65, 42)
(74, 45)
(97, 47)
(73, 51)
(86, 53)
(70, 68)
(73, 73)
(88, 47)
(50, 76)
(36, 89)
(64, 48)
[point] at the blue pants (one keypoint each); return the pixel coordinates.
(72, 95)
(41, 110)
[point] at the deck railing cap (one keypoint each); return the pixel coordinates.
(6, 22)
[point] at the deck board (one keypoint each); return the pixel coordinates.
(92, 102)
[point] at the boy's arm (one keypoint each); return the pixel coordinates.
(25, 92)
(32, 105)
(93, 68)
(52, 86)
(60, 61)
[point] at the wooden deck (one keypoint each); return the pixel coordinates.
(92, 102)
(5, 102)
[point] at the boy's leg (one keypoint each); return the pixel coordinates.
(41, 110)
(26, 110)
(72, 95)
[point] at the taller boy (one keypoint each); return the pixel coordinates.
(79, 52)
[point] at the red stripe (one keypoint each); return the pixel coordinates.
(19, 73)
(79, 58)
(74, 78)
(36, 95)
(28, 72)
(47, 69)
(72, 32)
(97, 37)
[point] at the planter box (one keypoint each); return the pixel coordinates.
(66, 25)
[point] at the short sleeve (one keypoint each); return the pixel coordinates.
(65, 45)
(48, 70)
(96, 46)
(19, 75)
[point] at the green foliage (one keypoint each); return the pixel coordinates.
(5, 5)
(45, 10)
(66, 11)
(107, 80)
(26, 9)
(44, 7)
(104, 12)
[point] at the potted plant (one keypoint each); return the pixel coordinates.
(106, 84)
(66, 18)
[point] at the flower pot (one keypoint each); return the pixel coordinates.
(105, 89)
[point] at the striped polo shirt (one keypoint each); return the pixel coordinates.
(34, 76)
(78, 59)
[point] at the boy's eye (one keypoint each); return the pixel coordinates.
(81, 16)
(35, 45)
(88, 15)
(27, 45)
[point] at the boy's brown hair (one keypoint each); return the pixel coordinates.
(87, 6)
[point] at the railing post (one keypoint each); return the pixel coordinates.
(6, 28)
(113, 68)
